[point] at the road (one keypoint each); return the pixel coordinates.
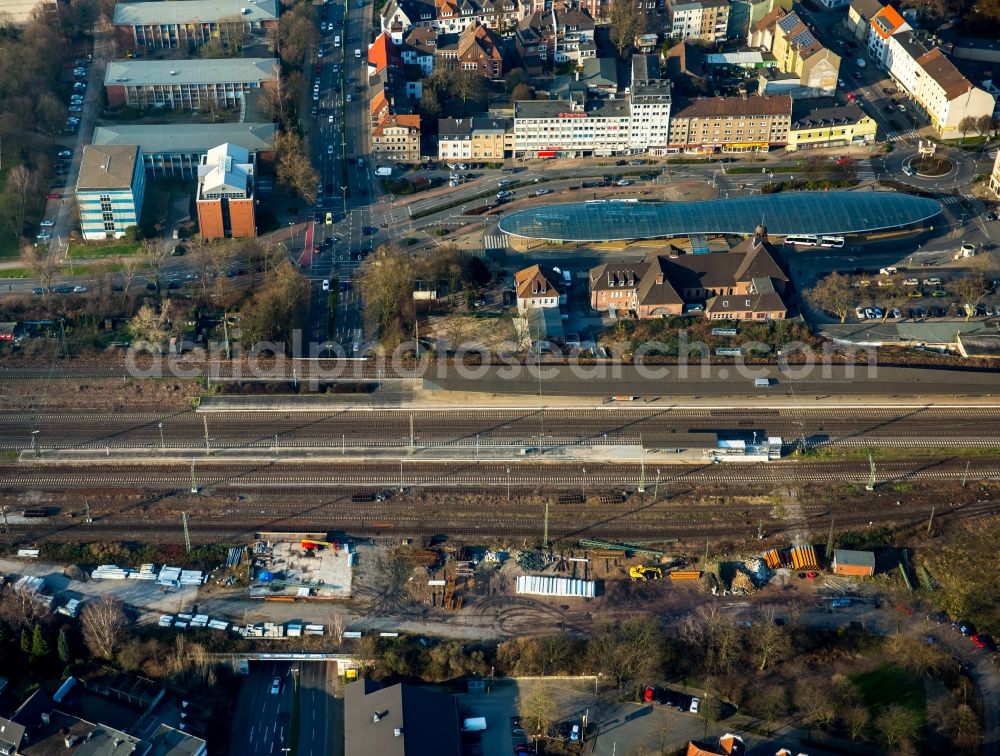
(262, 720)
(316, 702)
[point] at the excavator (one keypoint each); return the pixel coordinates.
(644, 573)
(310, 545)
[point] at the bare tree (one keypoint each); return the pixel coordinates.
(722, 642)
(897, 724)
(386, 282)
(984, 125)
(233, 29)
(856, 719)
(156, 253)
(971, 290)
(149, 325)
(129, 267)
(832, 294)
(24, 186)
(893, 296)
(294, 169)
(41, 264)
(538, 711)
(627, 23)
(627, 651)
(967, 124)
(771, 642)
(103, 625)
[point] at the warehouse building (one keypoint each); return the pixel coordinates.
(176, 150)
(855, 563)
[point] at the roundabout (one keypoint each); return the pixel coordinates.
(931, 166)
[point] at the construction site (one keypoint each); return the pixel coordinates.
(290, 566)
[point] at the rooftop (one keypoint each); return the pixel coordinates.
(849, 556)
(723, 107)
(195, 11)
(401, 720)
(194, 71)
(943, 71)
(107, 166)
(804, 117)
(189, 137)
(559, 108)
(226, 167)
(783, 214)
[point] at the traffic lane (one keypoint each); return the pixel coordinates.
(315, 708)
(260, 722)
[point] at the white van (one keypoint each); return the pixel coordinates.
(336, 41)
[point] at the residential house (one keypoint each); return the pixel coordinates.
(188, 84)
(418, 48)
(171, 25)
(650, 101)
(700, 20)
(556, 36)
(477, 49)
(401, 720)
(598, 76)
(797, 52)
(935, 85)
(859, 17)
(492, 138)
(455, 16)
(731, 124)
(995, 176)
(396, 139)
(384, 54)
(538, 288)
(830, 126)
(729, 745)
(747, 283)
(455, 139)
(855, 563)
(110, 190)
(176, 150)
(687, 67)
(886, 22)
(226, 197)
(399, 17)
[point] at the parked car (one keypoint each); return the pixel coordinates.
(47, 223)
(695, 705)
(53, 195)
(935, 281)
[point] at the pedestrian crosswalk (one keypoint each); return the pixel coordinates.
(495, 241)
(909, 135)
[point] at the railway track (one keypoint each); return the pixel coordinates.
(374, 427)
(279, 476)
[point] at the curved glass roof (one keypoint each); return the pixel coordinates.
(782, 214)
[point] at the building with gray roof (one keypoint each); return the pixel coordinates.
(186, 83)
(192, 23)
(110, 190)
(401, 720)
(176, 150)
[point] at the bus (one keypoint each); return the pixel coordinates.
(834, 242)
(802, 240)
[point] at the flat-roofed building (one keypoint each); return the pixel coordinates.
(649, 126)
(175, 150)
(226, 194)
(570, 128)
(110, 190)
(731, 124)
(702, 20)
(192, 23)
(401, 720)
(492, 138)
(186, 83)
(856, 563)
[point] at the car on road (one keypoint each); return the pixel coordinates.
(504, 194)
(908, 171)
(369, 230)
(542, 192)
(623, 182)
(53, 195)
(75, 109)
(901, 107)
(348, 97)
(65, 153)
(329, 149)
(47, 223)
(935, 281)
(329, 118)
(44, 236)
(275, 686)
(695, 705)
(326, 284)
(62, 289)
(38, 291)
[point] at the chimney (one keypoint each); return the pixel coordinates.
(578, 73)
(397, 732)
(659, 278)
(376, 718)
(70, 741)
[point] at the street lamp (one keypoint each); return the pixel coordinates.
(34, 443)
(162, 445)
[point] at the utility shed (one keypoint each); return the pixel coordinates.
(857, 563)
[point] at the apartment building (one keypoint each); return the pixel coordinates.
(571, 128)
(176, 150)
(836, 126)
(173, 25)
(538, 288)
(399, 17)
(186, 83)
(731, 124)
(226, 200)
(397, 139)
(492, 138)
(454, 139)
(110, 190)
(477, 49)
(995, 176)
(935, 85)
(454, 16)
(650, 95)
(859, 16)
(558, 35)
(797, 52)
(702, 20)
(881, 27)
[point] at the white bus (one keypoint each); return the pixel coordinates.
(802, 240)
(835, 242)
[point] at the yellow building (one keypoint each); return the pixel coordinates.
(839, 126)
(492, 138)
(995, 176)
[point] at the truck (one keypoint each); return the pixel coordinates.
(474, 724)
(383, 171)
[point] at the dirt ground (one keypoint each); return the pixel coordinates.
(100, 395)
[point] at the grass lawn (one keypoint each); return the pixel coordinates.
(15, 273)
(103, 249)
(889, 684)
